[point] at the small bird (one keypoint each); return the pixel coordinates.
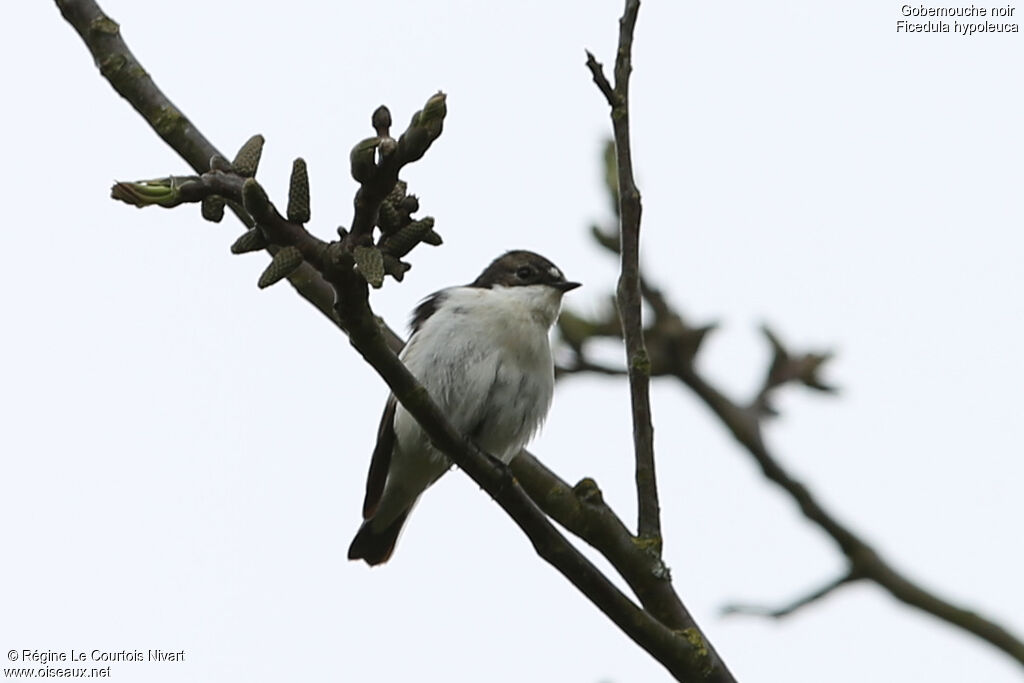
(482, 353)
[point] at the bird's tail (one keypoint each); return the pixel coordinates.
(374, 546)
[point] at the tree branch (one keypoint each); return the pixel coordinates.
(628, 297)
(786, 610)
(670, 635)
(684, 653)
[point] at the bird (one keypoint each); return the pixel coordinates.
(482, 353)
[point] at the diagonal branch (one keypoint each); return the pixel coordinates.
(866, 562)
(685, 654)
(628, 296)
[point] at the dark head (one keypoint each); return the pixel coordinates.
(520, 268)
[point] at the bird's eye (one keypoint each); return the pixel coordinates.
(524, 272)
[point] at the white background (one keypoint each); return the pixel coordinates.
(183, 455)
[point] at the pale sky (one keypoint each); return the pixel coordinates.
(184, 455)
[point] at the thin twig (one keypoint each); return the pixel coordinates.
(582, 365)
(629, 297)
(786, 610)
(597, 70)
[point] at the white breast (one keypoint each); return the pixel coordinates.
(484, 356)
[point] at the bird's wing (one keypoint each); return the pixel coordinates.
(425, 309)
(381, 460)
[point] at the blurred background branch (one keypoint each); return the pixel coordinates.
(674, 345)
